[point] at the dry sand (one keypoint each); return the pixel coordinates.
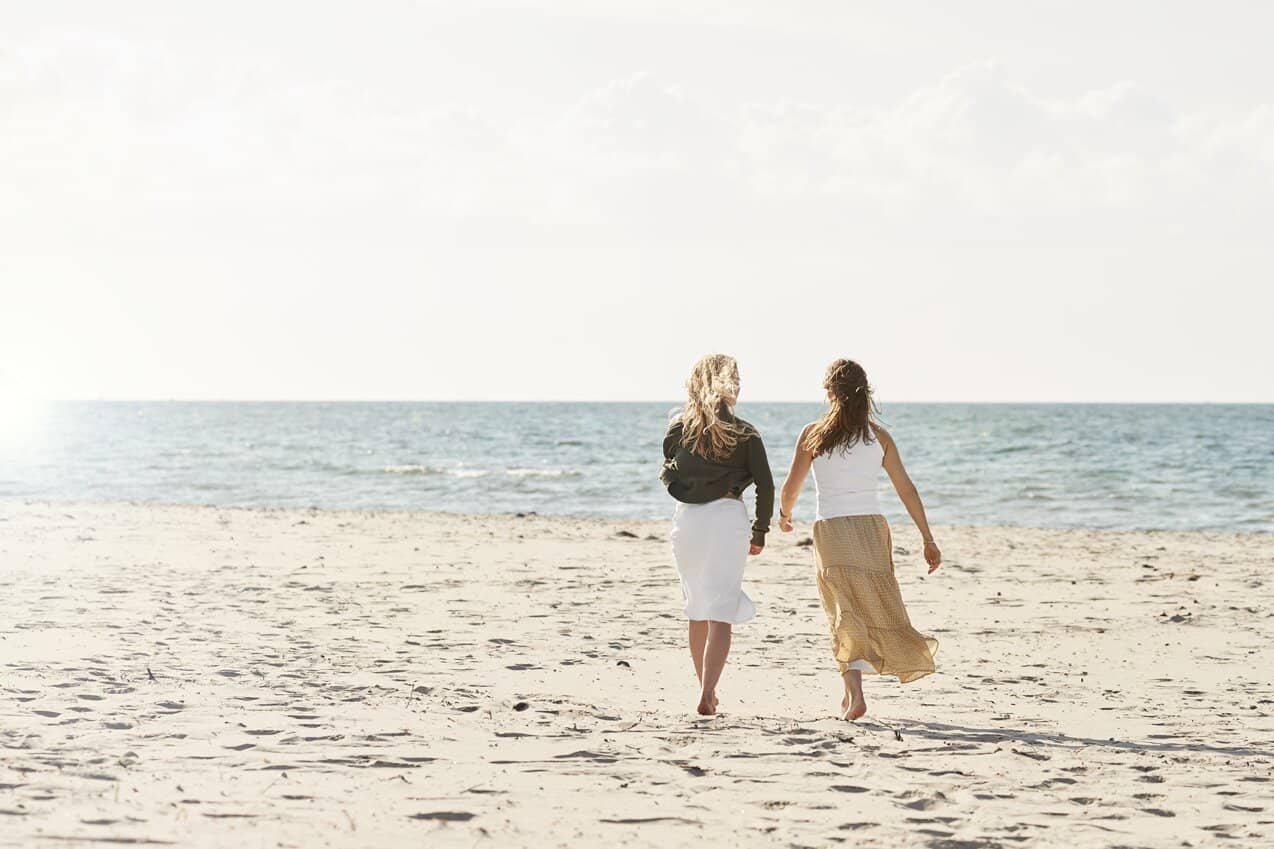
(198, 676)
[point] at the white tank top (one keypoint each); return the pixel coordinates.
(846, 480)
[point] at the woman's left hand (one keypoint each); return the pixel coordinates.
(785, 524)
(933, 556)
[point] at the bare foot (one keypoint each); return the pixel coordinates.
(707, 704)
(854, 710)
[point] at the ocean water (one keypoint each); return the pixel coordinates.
(1178, 467)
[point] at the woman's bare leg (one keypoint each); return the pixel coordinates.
(698, 640)
(855, 703)
(698, 643)
(714, 656)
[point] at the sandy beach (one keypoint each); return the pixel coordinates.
(208, 677)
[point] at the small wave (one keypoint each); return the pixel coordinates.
(542, 473)
(412, 469)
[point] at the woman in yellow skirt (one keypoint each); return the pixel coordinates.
(846, 448)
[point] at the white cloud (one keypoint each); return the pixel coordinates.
(640, 123)
(977, 138)
(99, 118)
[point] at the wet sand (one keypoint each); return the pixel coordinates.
(207, 677)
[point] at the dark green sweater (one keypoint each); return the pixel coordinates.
(695, 479)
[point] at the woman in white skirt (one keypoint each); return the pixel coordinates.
(710, 458)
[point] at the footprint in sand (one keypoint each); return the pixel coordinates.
(923, 803)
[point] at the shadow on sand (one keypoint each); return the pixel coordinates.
(968, 734)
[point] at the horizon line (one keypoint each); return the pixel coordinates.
(178, 400)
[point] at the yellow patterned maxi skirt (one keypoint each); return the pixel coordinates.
(870, 627)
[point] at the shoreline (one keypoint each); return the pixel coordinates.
(204, 675)
(576, 517)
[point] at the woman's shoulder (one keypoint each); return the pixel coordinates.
(748, 429)
(882, 435)
(803, 438)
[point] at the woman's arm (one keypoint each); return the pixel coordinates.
(759, 468)
(672, 439)
(910, 496)
(801, 460)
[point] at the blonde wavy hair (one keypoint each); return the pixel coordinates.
(713, 387)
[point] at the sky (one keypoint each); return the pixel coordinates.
(984, 201)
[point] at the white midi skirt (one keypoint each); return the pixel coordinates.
(710, 544)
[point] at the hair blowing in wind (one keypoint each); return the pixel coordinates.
(852, 413)
(712, 388)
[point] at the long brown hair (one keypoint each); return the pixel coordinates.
(853, 411)
(709, 429)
